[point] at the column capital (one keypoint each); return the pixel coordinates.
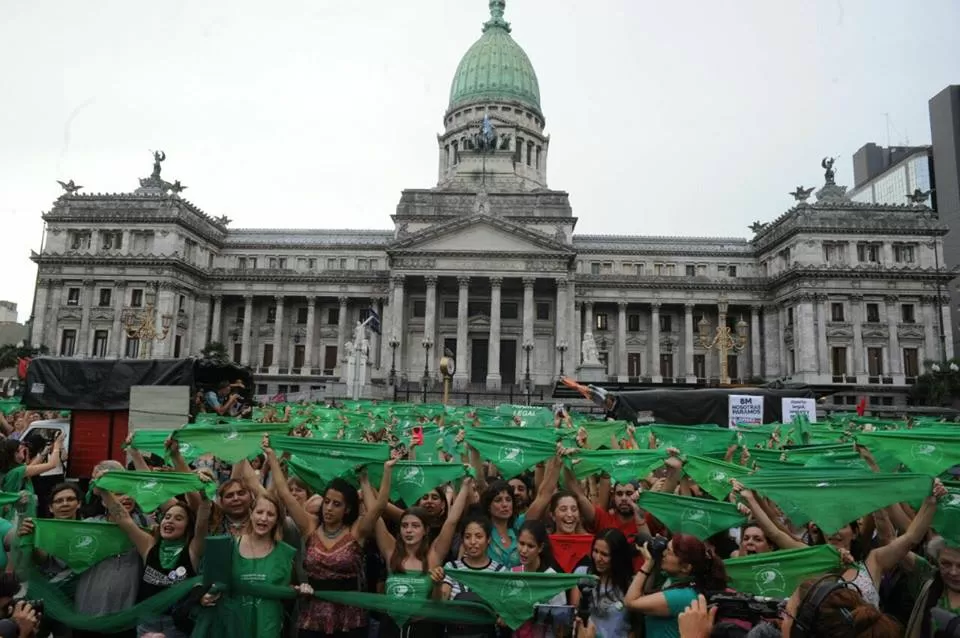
(58, 283)
(463, 281)
(655, 306)
(431, 280)
(945, 301)
(756, 308)
(928, 300)
(496, 282)
(820, 297)
(343, 299)
(217, 297)
(120, 285)
(577, 305)
(688, 306)
(856, 298)
(561, 281)
(279, 299)
(622, 305)
(88, 283)
(248, 297)
(528, 282)
(397, 280)
(892, 299)
(375, 300)
(311, 300)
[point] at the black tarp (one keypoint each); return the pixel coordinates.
(694, 407)
(55, 383)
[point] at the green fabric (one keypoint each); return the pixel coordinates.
(947, 519)
(262, 617)
(927, 451)
(530, 416)
(601, 433)
(753, 437)
(713, 475)
(515, 594)
(801, 454)
(9, 406)
(79, 544)
(154, 442)
(412, 479)
(777, 574)
(407, 587)
(621, 465)
(332, 459)
(232, 442)
(695, 516)
(694, 439)
(152, 489)
(513, 450)
(834, 500)
(306, 472)
(170, 552)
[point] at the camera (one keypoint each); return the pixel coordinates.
(36, 604)
(586, 602)
(657, 546)
(754, 609)
(554, 615)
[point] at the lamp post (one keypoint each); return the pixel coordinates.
(447, 368)
(427, 344)
(527, 382)
(561, 348)
(723, 341)
(394, 344)
(143, 328)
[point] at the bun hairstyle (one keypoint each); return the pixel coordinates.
(708, 572)
(841, 613)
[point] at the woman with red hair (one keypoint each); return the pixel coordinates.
(691, 569)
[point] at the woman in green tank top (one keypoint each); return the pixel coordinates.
(414, 563)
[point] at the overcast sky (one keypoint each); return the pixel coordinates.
(690, 117)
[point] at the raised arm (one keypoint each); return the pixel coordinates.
(386, 543)
(773, 532)
(365, 524)
(202, 525)
(306, 523)
(52, 463)
(546, 489)
(441, 545)
(588, 513)
(141, 539)
(885, 558)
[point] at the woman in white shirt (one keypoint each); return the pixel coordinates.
(536, 555)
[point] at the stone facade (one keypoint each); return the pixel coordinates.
(487, 265)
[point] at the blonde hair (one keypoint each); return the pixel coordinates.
(273, 499)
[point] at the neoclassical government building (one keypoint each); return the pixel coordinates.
(487, 264)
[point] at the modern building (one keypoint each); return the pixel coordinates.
(487, 264)
(891, 175)
(945, 134)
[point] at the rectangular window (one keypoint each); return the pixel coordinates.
(132, 348)
(282, 262)
(670, 270)
(903, 253)
(105, 294)
(639, 268)
(907, 313)
(177, 345)
(181, 302)
(374, 264)
(273, 263)
(312, 263)
(868, 252)
(911, 363)
(732, 270)
(733, 366)
(478, 308)
(99, 343)
(633, 364)
(363, 264)
(607, 268)
(419, 308)
(543, 311)
(691, 270)
(301, 263)
(80, 239)
(666, 323)
(595, 268)
(600, 321)
(509, 310)
(283, 388)
(450, 309)
(836, 311)
(294, 388)
(298, 355)
(666, 366)
(875, 362)
(136, 298)
(302, 315)
(261, 389)
(633, 323)
(332, 264)
(267, 360)
(333, 316)
(237, 352)
(68, 343)
(343, 263)
(627, 268)
(700, 366)
(833, 253)
(241, 263)
(451, 345)
(241, 313)
(272, 314)
(873, 313)
(789, 316)
(658, 269)
(838, 361)
(73, 297)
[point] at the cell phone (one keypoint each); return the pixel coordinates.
(554, 615)
(558, 408)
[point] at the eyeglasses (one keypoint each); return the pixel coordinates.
(64, 499)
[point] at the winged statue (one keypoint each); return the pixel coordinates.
(801, 194)
(918, 196)
(757, 226)
(176, 188)
(70, 187)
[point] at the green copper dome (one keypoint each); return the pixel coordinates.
(495, 67)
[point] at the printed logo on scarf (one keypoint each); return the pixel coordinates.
(695, 518)
(770, 581)
(718, 477)
(83, 546)
(952, 501)
(231, 435)
(509, 454)
(926, 452)
(516, 590)
(150, 486)
(412, 476)
(399, 590)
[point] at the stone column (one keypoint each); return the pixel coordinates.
(823, 354)
(40, 313)
(928, 316)
(947, 327)
(528, 309)
(494, 380)
(196, 332)
(573, 329)
(772, 343)
(117, 331)
(688, 343)
(460, 376)
(278, 333)
(622, 371)
(84, 338)
(588, 325)
(782, 317)
(560, 333)
(343, 334)
(216, 327)
(396, 312)
(374, 358)
(430, 317)
(755, 344)
(247, 328)
(655, 341)
(311, 330)
(856, 307)
(893, 324)
(806, 350)
(50, 335)
(576, 346)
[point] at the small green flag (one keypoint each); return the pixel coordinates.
(412, 479)
(231, 442)
(513, 450)
(600, 434)
(777, 574)
(832, 499)
(332, 459)
(926, 451)
(698, 517)
(622, 465)
(947, 519)
(713, 475)
(515, 594)
(152, 489)
(80, 544)
(694, 439)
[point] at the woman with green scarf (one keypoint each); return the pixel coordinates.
(171, 554)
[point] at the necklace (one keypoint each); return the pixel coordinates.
(333, 534)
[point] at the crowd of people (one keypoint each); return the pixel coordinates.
(388, 519)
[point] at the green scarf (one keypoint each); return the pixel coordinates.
(170, 552)
(834, 499)
(152, 489)
(232, 443)
(777, 574)
(515, 594)
(79, 544)
(307, 473)
(332, 459)
(694, 439)
(412, 479)
(513, 450)
(947, 519)
(622, 465)
(713, 475)
(927, 451)
(600, 434)
(530, 416)
(154, 442)
(755, 436)
(695, 516)
(802, 454)
(407, 587)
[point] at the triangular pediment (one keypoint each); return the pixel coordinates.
(480, 233)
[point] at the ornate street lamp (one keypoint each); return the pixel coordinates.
(394, 344)
(427, 344)
(723, 340)
(561, 348)
(527, 382)
(143, 328)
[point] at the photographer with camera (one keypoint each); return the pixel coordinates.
(691, 569)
